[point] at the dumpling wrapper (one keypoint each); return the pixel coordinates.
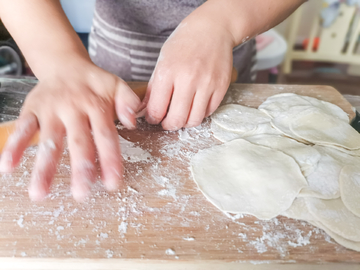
(306, 156)
(299, 210)
(280, 103)
(283, 120)
(334, 215)
(323, 183)
(225, 135)
(240, 177)
(340, 240)
(238, 118)
(317, 127)
(350, 188)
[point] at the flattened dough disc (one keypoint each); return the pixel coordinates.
(317, 127)
(335, 216)
(278, 104)
(239, 118)
(240, 177)
(324, 181)
(306, 156)
(298, 210)
(350, 188)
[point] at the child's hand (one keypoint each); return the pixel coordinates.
(191, 76)
(78, 101)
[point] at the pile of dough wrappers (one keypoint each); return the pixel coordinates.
(294, 156)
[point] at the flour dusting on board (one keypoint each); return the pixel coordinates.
(133, 153)
(159, 212)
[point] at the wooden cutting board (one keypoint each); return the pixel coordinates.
(161, 219)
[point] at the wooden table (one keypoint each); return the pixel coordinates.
(161, 220)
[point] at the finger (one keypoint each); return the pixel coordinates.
(142, 109)
(82, 156)
(26, 127)
(108, 146)
(48, 154)
(160, 92)
(179, 108)
(214, 102)
(198, 108)
(126, 104)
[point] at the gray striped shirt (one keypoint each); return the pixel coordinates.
(127, 36)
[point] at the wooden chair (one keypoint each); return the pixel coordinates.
(337, 43)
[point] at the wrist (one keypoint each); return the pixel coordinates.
(59, 63)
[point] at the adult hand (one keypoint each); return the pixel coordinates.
(78, 100)
(192, 74)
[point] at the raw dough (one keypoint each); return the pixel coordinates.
(239, 118)
(317, 127)
(240, 177)
(281, 103)
(223, 134)
(350, 188)
(328, 108)
(298, 210)
(306, 156)
(335, 216)
(282, 122)
(278, 104)
(341, 240)
(324, 181)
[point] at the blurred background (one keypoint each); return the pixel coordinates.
(318, 44)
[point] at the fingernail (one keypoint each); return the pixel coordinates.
(81, 192)
(37, 194)
(112, 184)
(37, 190)
(151, 120)
(6, 162)
(126, 122)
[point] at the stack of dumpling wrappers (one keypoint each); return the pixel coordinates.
(295, 156)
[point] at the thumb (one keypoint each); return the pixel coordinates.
(126, 104)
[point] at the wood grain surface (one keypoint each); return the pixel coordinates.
(161, 217)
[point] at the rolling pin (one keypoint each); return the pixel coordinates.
(7, 128)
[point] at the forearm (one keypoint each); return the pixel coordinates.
(244, 19)
(43, 33)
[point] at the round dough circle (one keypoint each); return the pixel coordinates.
(335, 216)
(239, 118)
(223, 134)
(340, 240)
(350, 188)
(328, 108)
(283, 120)
(278, 104)
(317, 127)
(240, 177)
(281, 103)
(323, 183)
(298, 210)
(306, 156)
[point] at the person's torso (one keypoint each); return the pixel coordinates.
(151, 17)
(127, 36)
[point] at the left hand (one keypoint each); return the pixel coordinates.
(192, 74)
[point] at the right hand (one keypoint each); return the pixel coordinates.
(79, 100)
